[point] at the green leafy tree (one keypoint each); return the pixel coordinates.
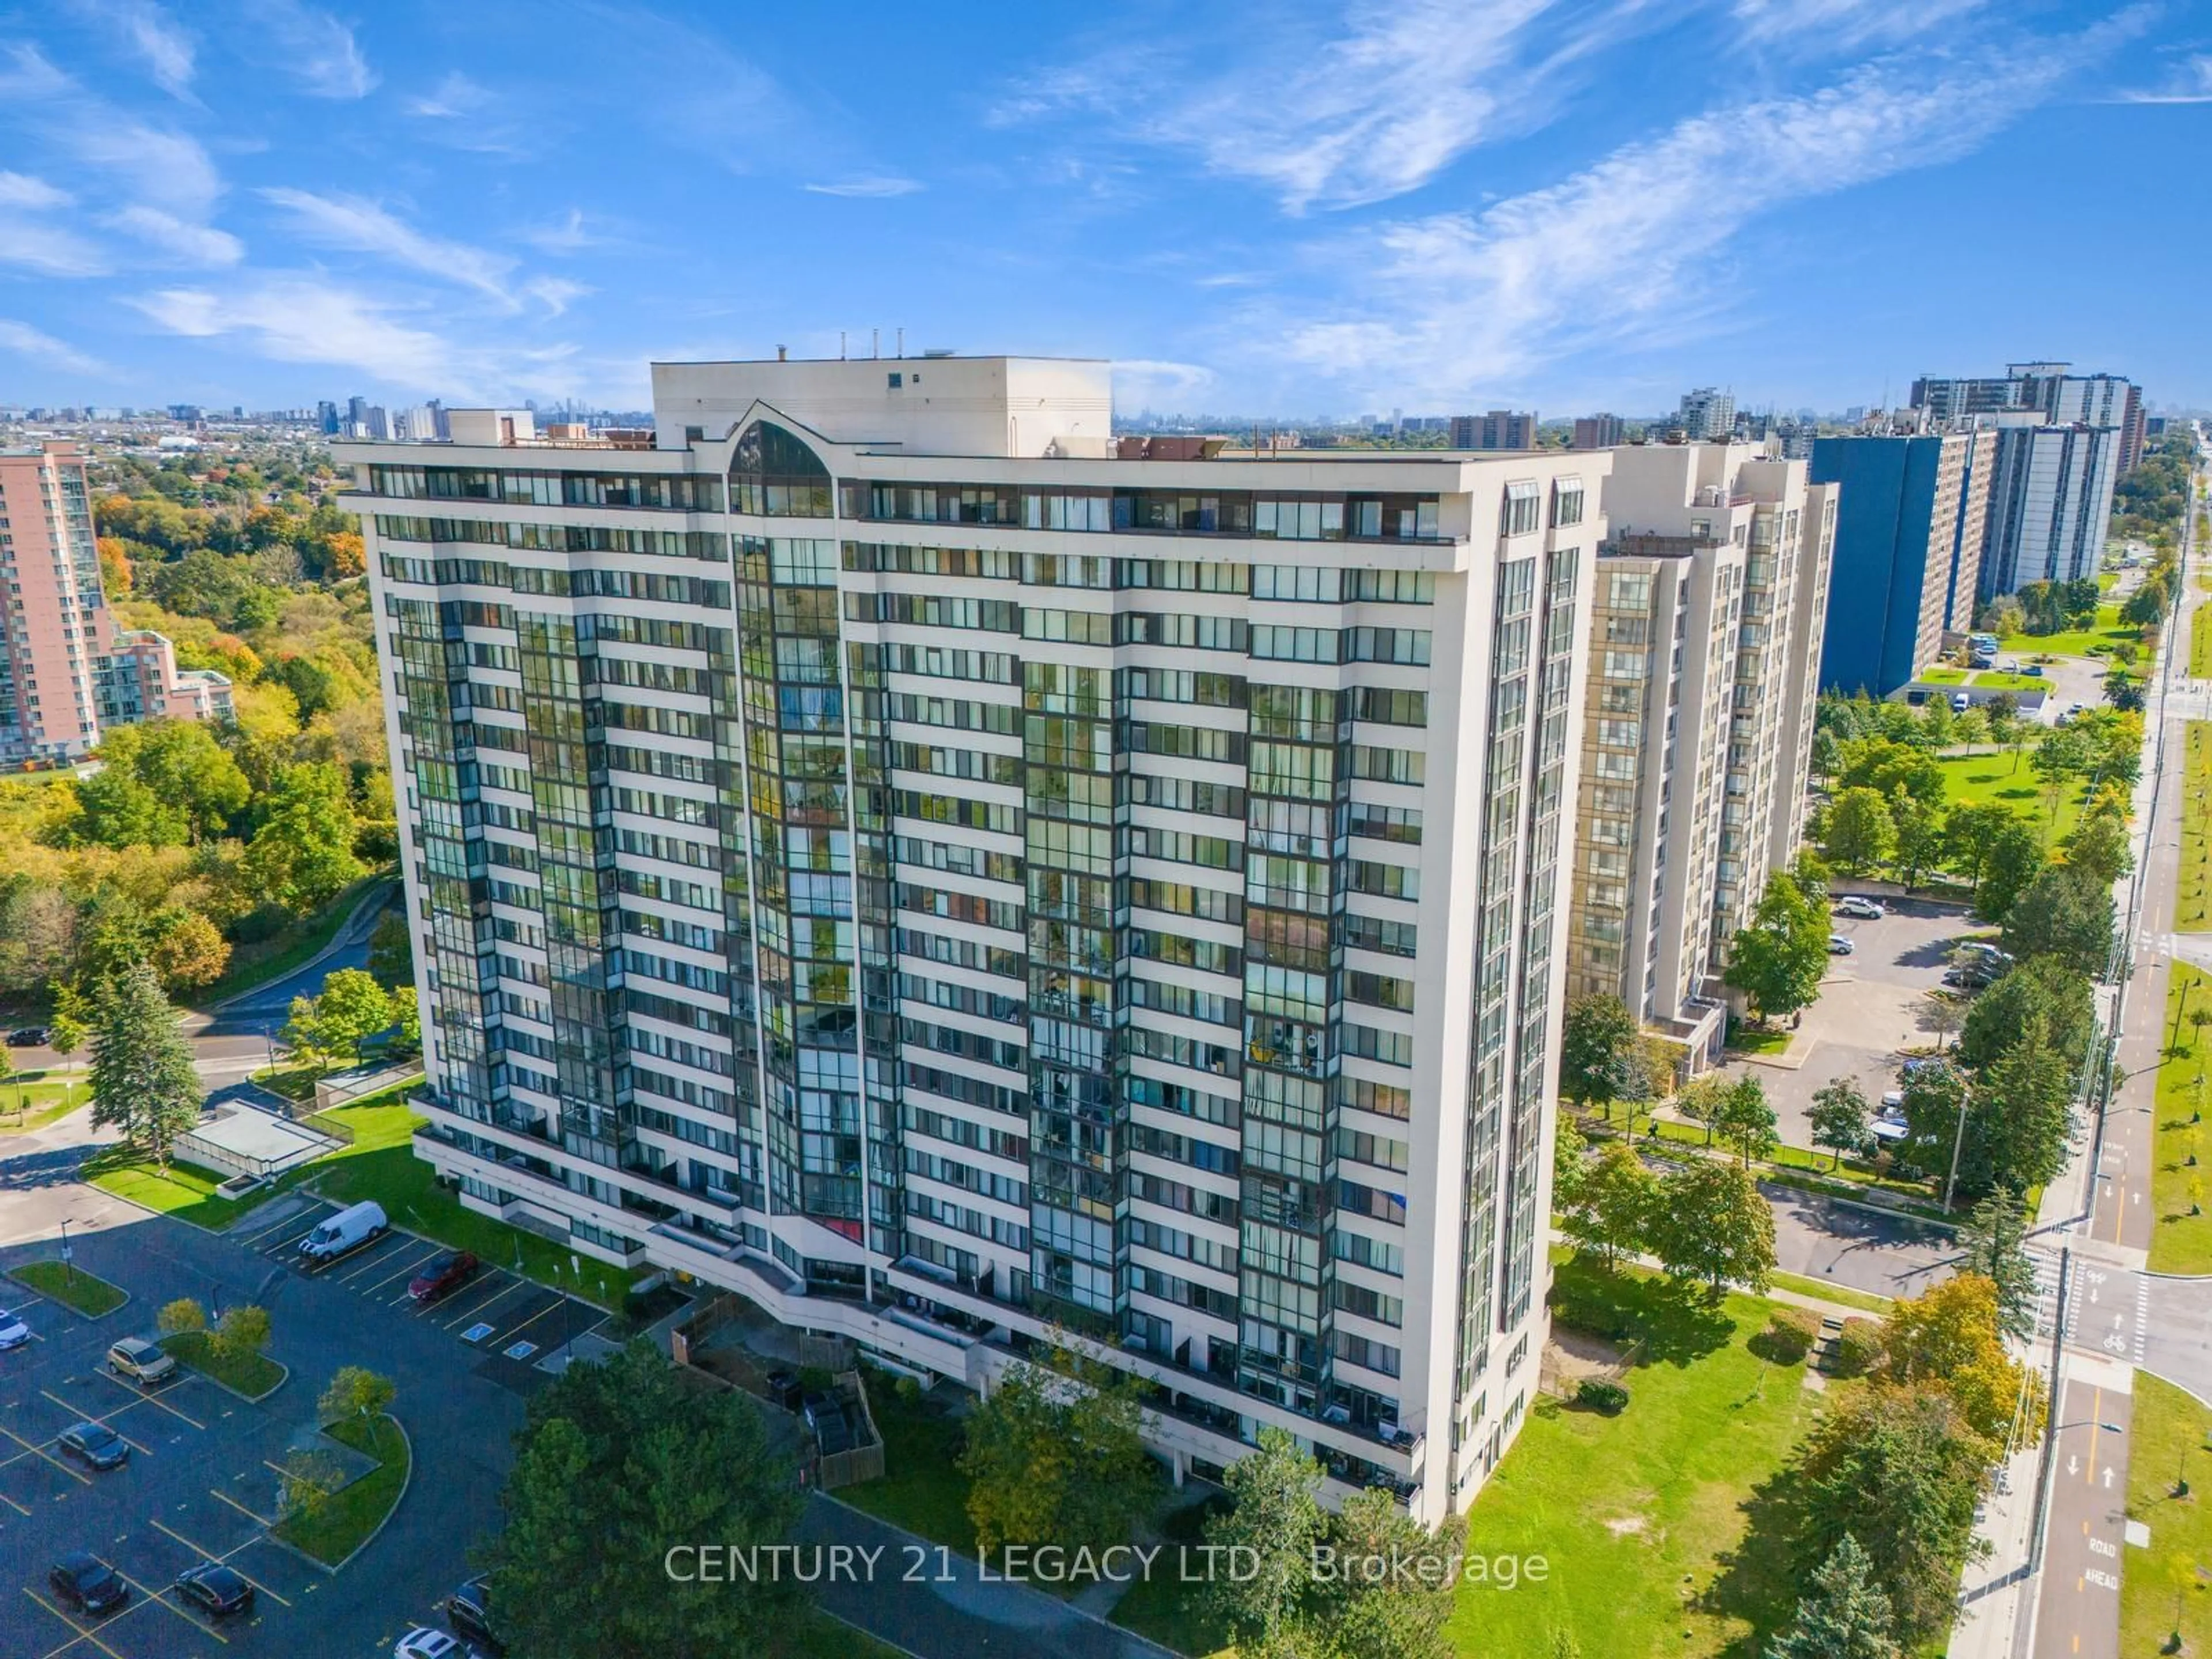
(180, 1316)
(1900, 1472)
(2065, 914)
(303, 1034)
(1744, 1121)
(2098, 850)
(1994, 1243)
(1844, 1615)
(1600, 1059)
(2064, 754)
(391, 953)
(1934, 1097)
(189, 952)
(117, 810)
(609, 1477)
(1778, 960)
(2041, 991)
(1401, 1614)
(1055, 1455)
(302, 857)
(1917, 847)
(143, 1081)
(353, 1391)
(1278, 1517)
(1702, 1099)
(1711, 1224)
(1951, 1337)
(66, 1037)
(244, 1330)
(1838, 1116)
(352, 1008)
(187, 770)
(2019, 1121)
(1886, 765)
(1613, 1204)
(2011, 861)
(1858, 831)
(1968, 829)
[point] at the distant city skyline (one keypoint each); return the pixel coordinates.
(1551, 206)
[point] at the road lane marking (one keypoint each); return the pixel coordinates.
(94, 1417)
(159, 1598)
(82, 1634)
(140, 1391)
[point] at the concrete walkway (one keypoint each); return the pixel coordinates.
(937, 1604)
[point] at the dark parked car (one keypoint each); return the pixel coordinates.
(87, 1584)
(29, 1036)
(216, 1589)
(100, 1446)
(468, 1610)
(447, 1273)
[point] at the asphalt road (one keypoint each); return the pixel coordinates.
(2080, 1613)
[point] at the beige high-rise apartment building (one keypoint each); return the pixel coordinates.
(66, 669)
(1708, 604)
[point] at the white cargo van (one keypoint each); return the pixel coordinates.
(348, 1229)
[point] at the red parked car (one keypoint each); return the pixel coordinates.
(444, 1274)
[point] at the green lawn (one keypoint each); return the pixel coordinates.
(1941, 676)
(381, 1164)
(2193, 892)
(2181, 1242)
(821, 1636)
(72, 1288)
(1996, 679)
(2200, 640)
(2168, 1427)
(253, 1375)
(273, 957)
(921, 1489)
(1662, 1527)
(334, 1528)
(1759, 1040)
(32, 1100)
(2004, 776)
(2093, 641)
(1802, 1161)
(1865, 1301)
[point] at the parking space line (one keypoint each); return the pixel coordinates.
(501, 1295)
(408, 1271)
(94, 1417)
(258, 1520)
(138, 1391)
(206, 1555)
(368, 1256)
(82, 1634)
(260, 1233)
(11, 1503)
(160, 1598)
(82, 1480)
(509, 1335)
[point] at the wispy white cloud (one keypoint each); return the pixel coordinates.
(33, 241)
(21, 190)
(152, 164)
(1370, 111)
(1610, 255)
(1140, 381)
(571, 234)
(556, 294)
(24, 341)
(314, 47)
(881, 186)
(2189, 82)
(305, 317)
(453, 97)
(361, 226)
(52, 249)
(152, 36)
(199, 245)
(1846, 25)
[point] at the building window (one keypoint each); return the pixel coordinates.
(1523, 508)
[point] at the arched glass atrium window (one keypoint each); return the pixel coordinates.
(773, 473)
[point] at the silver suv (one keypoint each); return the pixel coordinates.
(141, 1361)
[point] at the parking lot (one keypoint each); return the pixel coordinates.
(203, 1477)
(508, 1323)
(1873, 1006)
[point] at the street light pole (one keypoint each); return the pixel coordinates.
(69, 1257)
(1958, 1145)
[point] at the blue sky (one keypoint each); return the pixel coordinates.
(1433, 205)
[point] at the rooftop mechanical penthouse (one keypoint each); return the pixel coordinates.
(878, 845)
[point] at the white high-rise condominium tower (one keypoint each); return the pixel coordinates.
(888, 850)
